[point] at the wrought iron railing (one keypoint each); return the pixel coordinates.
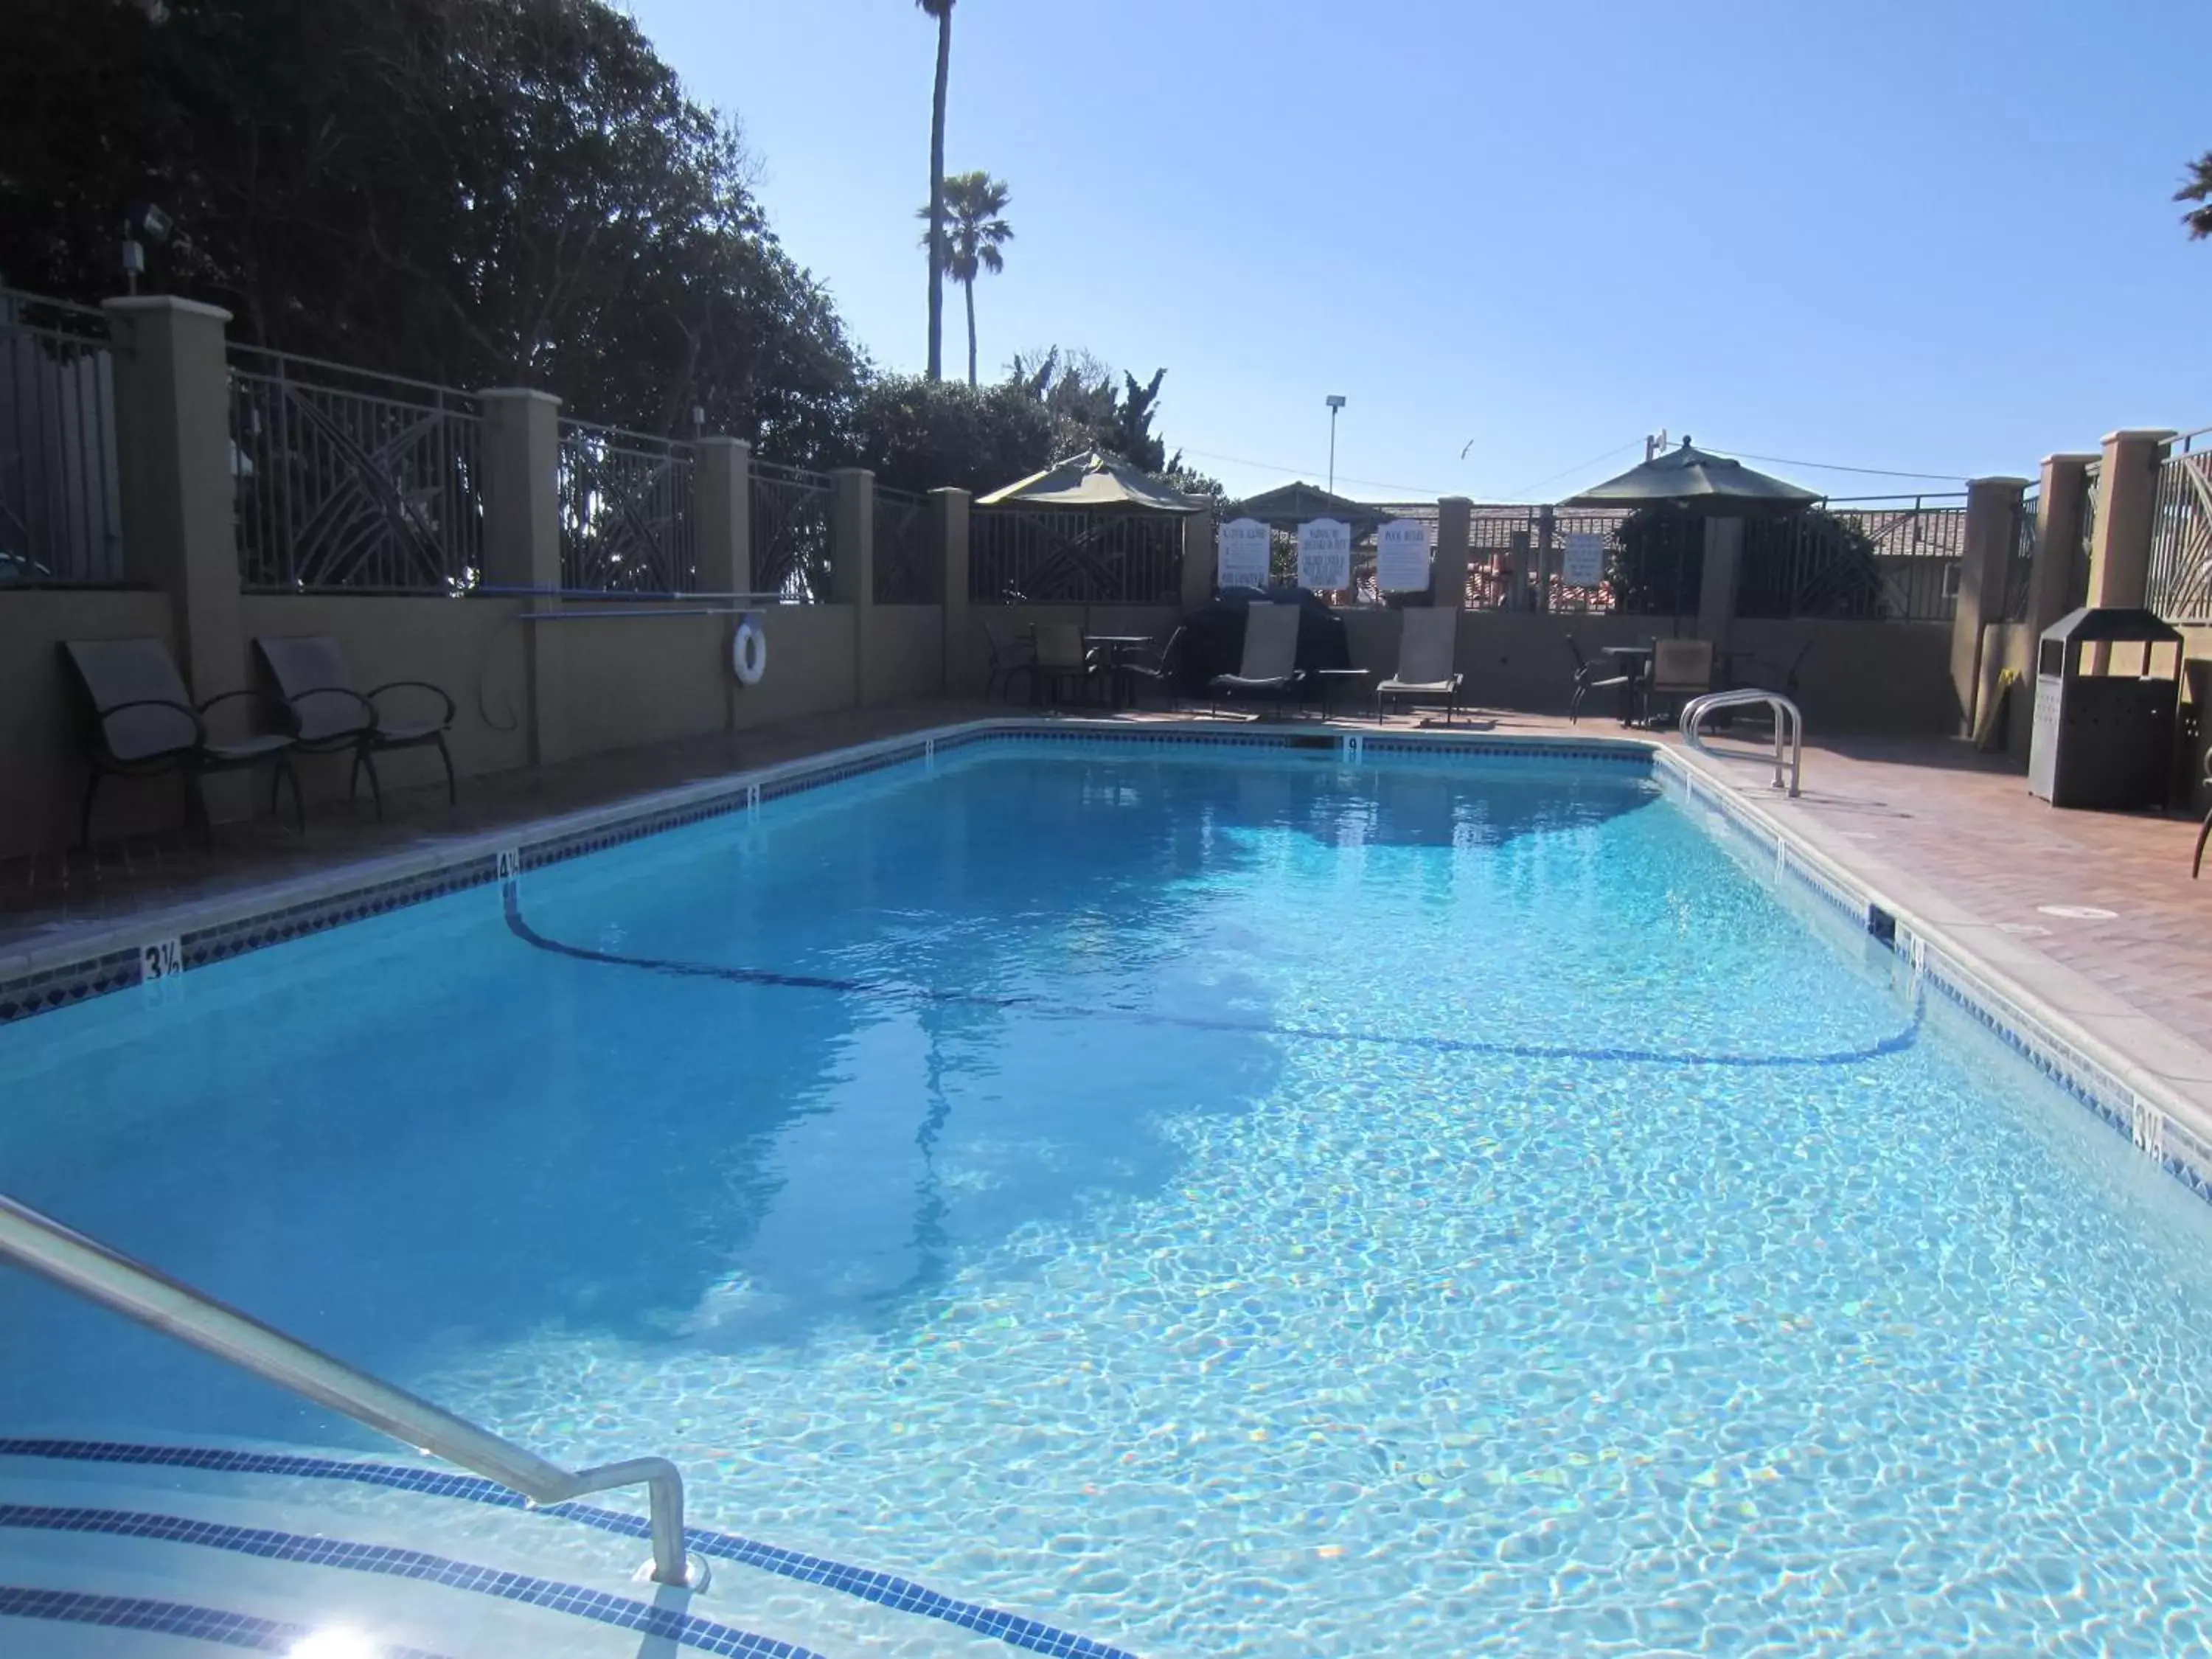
(2020, 567)
(626, 511)
(2179, 584)
(1018, 556)
(1915, 543)
(909, 565)
(790, 529)
(2085, 539)
(61, 516)
(352, 482)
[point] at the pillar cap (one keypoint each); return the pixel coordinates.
(1456, 500)
(2079, 457)
(2003, 479)
(2155, 434)
(139, 305)
(722, 440)
(527, 393)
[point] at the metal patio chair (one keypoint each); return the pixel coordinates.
(1680, 669)
(1012, 652)
(329, 717)
(1062, 660)
(1428, 640)
(145, 724)
(1591, 677)
(1162, 669)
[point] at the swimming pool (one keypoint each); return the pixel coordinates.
(1219, 1202)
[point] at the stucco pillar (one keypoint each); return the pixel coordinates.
(852, 561)
(1447, 576)
(948, 530)
(723, 484)
(172, 458)
(1547, 556)
(521, 457)
(1984, 561)
(2058, 538)
(2127, 485)
(1722, 578)
(1200, 558)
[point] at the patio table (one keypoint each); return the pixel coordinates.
(1118, 648)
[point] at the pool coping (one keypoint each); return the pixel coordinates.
(2080, 1037)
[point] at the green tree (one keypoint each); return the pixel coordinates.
(974, 235)
(942, 11)
(2198, 190)
(475, 192)
(919, 434)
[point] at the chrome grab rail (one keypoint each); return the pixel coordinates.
(1789, 724)
(107, 1277)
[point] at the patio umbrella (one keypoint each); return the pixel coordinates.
(1694, 478)
(1095, 482)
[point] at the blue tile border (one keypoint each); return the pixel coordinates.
(179, 1618)
(666, 1624)
(884, 1589)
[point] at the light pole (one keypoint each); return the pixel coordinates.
(1335, 404)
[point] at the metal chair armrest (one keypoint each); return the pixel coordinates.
(437, 691)
(199, 726)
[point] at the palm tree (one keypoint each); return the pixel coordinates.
(974, 234)
(2198, 190)
(942, 11)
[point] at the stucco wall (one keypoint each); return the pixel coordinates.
(969, 647)
(905, 653)
(42, 728)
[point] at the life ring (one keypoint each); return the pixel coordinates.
(749, 650)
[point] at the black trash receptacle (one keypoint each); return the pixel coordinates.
(2107, 692)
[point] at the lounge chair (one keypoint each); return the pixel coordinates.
(145, 724)
(1680, 669)
(1011, 653)
(1592, 677)
(329, 717)
(1428, 639)
(1061, 660)
(1271, 652)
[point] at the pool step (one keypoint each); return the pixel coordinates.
(409, 1569)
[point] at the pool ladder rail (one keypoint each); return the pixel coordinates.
(1788, 727)
(90, 1269)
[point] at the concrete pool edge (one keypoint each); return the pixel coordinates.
(2080, 1037)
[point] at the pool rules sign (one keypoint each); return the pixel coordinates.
(1402, 557)
(1324, 555)
(1240, 551)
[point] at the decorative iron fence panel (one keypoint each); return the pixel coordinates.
(790, 528)
(2020, 569)
(351, 482)
(1891, 558)
(1017, 557)
(61, 515)
(2179, 585)
(626, 511)
(2085, 539)
(909, 566)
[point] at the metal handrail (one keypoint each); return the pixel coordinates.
(92, 1270)
(1789, 723)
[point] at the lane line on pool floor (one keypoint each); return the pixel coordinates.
(889, 991)
(882, 1589)
(418, 1566)
(179, 1618)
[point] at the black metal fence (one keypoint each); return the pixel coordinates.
(61, 517)
(1018, 556)
(2179, 584)
(2085, 539)
(2020, 565)
(352, 482)
(909, 565)
(790, 532)
(627, 513)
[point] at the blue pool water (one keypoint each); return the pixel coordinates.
(1219, 1204)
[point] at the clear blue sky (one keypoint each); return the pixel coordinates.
(1933, 236)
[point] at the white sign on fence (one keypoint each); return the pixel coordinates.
(1583, 565)
(1402, 557)
(1240, 553)
(1324, 555)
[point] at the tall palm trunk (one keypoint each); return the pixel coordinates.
(970, 286)
(937, 197)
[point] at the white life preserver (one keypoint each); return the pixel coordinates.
(749, 650)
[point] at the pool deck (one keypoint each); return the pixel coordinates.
(1951, 836)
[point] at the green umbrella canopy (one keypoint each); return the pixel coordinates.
(1693, 477)
(1095, 481)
